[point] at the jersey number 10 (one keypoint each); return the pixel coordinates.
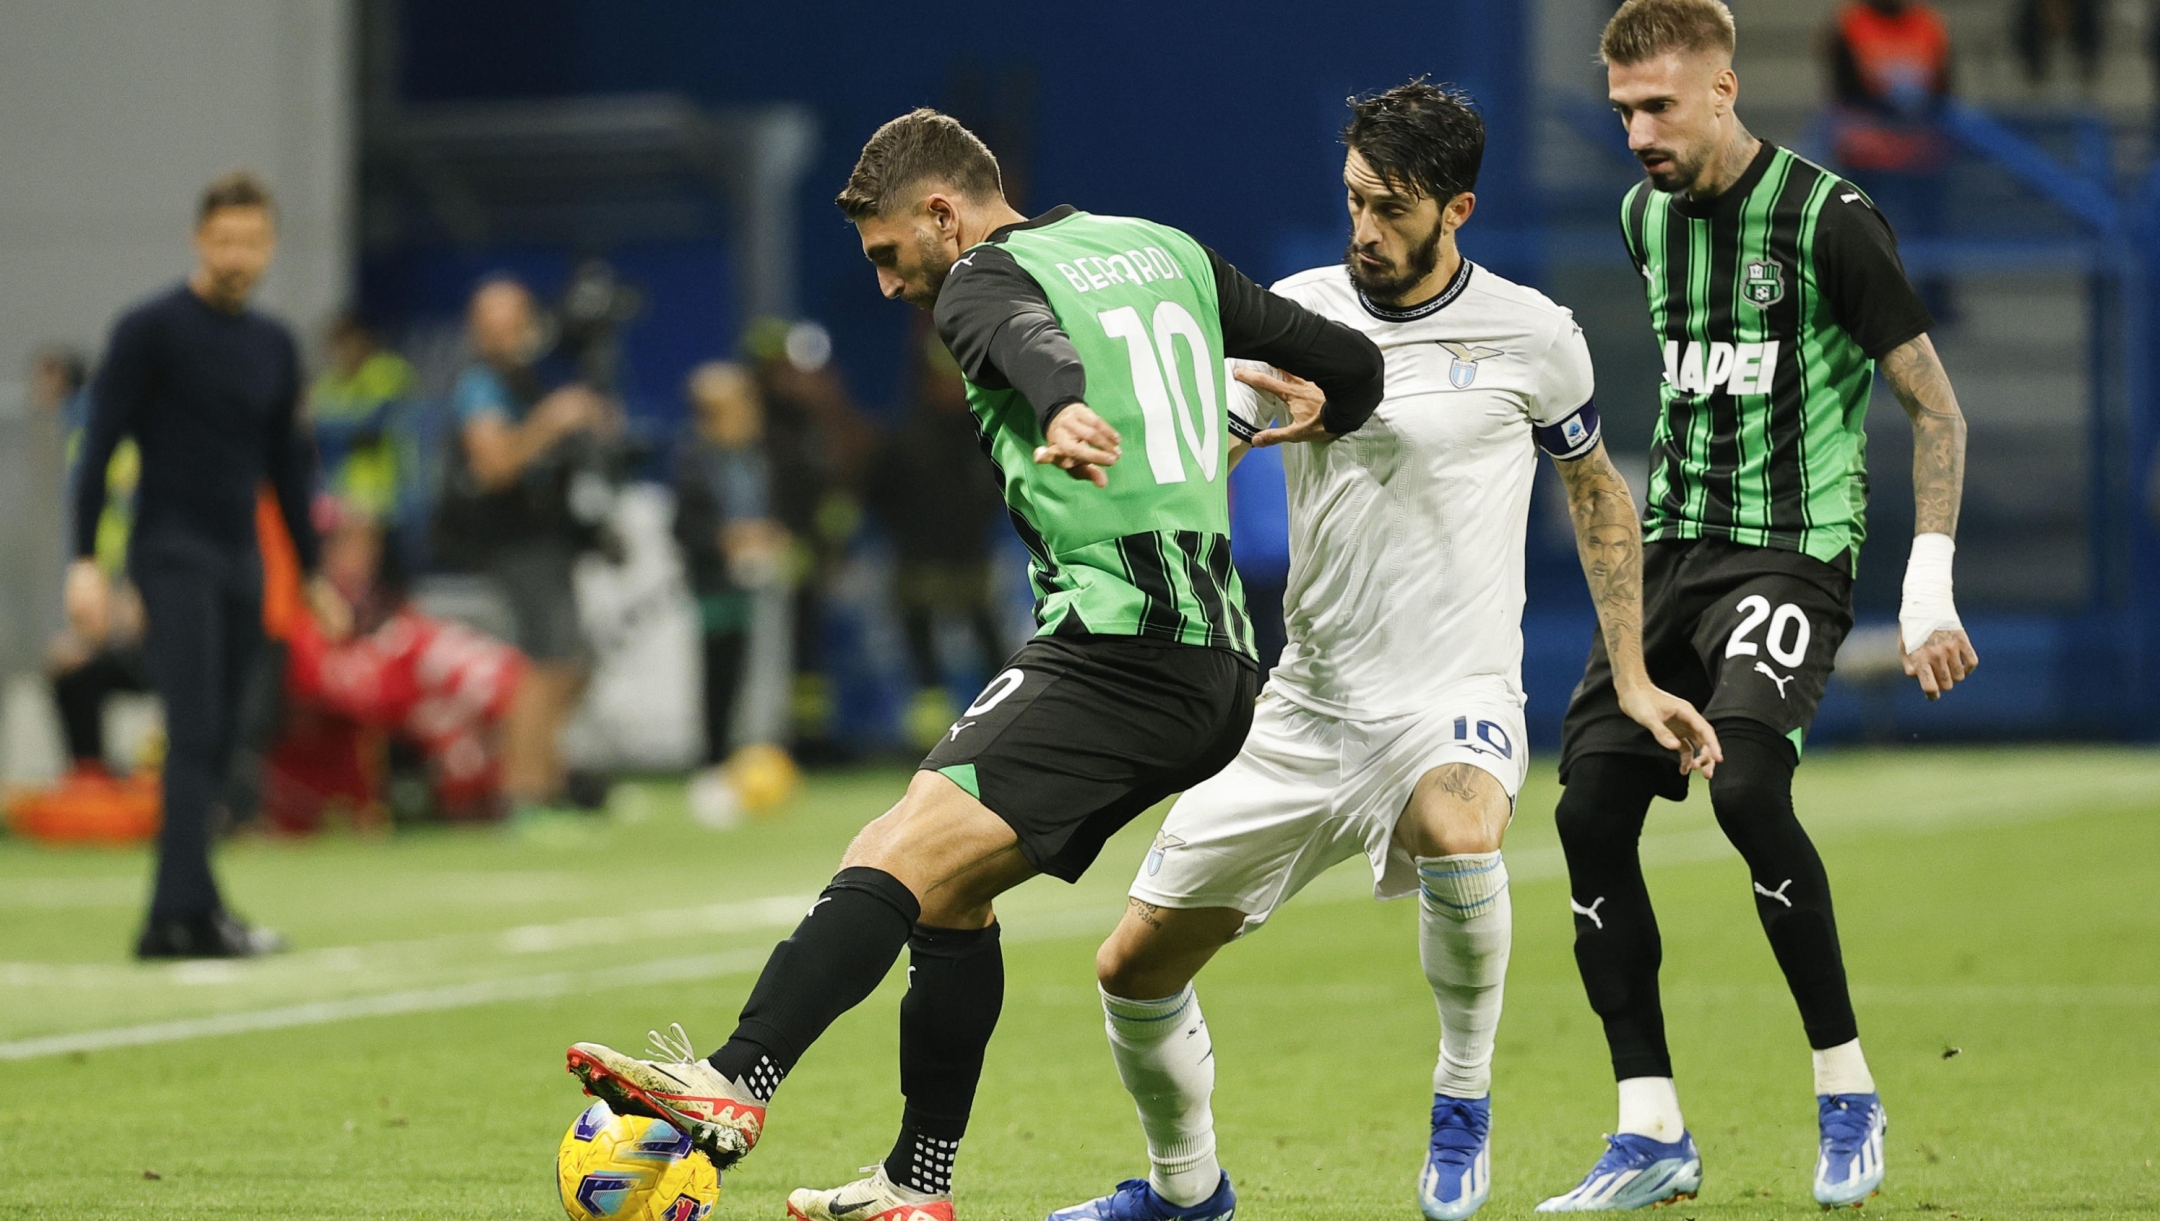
(1157, 394)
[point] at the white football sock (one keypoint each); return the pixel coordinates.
(1843, 1070)
(1465, 924)
(1167, 1062)
(1650, 1106)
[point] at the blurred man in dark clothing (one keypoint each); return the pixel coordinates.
(723, 521)
(927, 485)
(817, 441)
(509, 510)
(2039, 24)
(210, 391)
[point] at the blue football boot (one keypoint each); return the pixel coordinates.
(1458, 1166)
(1135, 1200)
(1851, 1166)
(1636, 1172)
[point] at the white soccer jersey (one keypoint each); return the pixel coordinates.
(1407, 536)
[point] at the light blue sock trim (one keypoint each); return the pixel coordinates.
(1463, 886)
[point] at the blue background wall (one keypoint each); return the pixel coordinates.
(1218, 118)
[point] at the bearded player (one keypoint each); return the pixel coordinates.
(1393, 728)
(1775, 291)
(1076, 333)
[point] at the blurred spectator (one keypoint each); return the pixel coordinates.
(1890, 71)
(442, 692)
(817, 440)
(86, 671)
(723, 520)
(936, 495)
(352, 408)
(507, 510)
(1260, 543)
(2038, 25)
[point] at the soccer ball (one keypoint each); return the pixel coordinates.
(632, 1168)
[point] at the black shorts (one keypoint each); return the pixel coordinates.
(1077, 736)
(1740, 632)
(538, 581)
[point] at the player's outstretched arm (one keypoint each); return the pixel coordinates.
(1931, 639)
(1344, 365)
(1609, 540)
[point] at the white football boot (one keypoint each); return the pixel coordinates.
(876, 1198)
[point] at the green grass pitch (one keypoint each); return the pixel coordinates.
(2000, 909)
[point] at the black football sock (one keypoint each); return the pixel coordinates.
(956, 988)
(1617, 948)
(1752, 794)
(837, 956)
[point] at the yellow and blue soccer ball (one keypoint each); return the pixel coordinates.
(628, 1168)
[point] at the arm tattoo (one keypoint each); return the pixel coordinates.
(1916, 376)
(1609, 539)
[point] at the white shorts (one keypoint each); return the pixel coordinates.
(1309, 791)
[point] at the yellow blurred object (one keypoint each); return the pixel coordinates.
(150, 756)
(764, 776)
(929, 715)
(811, 705)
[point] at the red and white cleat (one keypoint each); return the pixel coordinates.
(721, 1118)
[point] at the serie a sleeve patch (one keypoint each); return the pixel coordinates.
(1572, 435)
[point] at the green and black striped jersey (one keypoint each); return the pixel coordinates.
(1134, 319)
(1771, 303)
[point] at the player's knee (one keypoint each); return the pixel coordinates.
(1136, 969)
(1156, 951)
(1456, 809)
(1594, 808)
(1753, 786)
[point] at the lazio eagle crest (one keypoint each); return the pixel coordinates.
(1762, 282)
(1463, 370)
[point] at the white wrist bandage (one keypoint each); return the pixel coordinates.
(1928, 608)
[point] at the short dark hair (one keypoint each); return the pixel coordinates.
(919, 146)
(234, 189)
(1645, 29)
(1421, 137)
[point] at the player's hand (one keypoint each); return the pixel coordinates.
(88, 599)
(1302, 398)
(1941, 662)
(332, 612)
(1081, 444)
(1676, 726)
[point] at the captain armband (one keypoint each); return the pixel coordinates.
(1571, 436)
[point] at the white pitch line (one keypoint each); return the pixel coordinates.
(419, 1000)
(466, 996)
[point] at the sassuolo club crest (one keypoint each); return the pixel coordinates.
(1762, 282)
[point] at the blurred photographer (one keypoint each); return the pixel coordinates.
(520, 507)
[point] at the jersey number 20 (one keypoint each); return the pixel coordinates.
(1157, 393)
